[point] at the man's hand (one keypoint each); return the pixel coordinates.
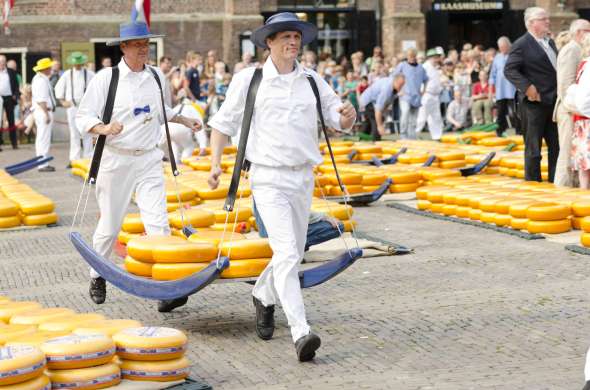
(214, 177)
(193, 124)
(347, 112)
(381, 129)
(532, 94)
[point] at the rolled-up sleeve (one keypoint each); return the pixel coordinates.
(229, 117)
(92, 104)
(330, 103)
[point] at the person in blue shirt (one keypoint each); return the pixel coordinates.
(376, 99)
(505, 91)
(409, 100)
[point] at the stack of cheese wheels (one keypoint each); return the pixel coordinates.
(10, 309)
(248, 258)
(187, 196)
(450, 159)
(552, 218)
(20, 365)
(580, 209)
(352, 182)
(8, 213)
(339, 211)
(404, 181)
(366, 151)
(152, 354)
(156, 256)
(81, 167)
(584, 239)
(34, 208)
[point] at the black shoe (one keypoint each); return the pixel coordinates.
(306, 347)
(169, 305)
(69, 166)
(48, 168)
(98, 290)
(265, 320)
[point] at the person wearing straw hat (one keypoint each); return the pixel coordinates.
(429, 111)
(282, 149)
(69, 91)
(44, 104)
(131, 161)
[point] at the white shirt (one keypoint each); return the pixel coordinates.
(580, 92)
(5, 89)
(433, 86)
(42, 91)
(63, 88)
(544, 43)
(284, 129)
(134, 90)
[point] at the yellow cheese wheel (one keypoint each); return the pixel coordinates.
(349, 225)
(503, 206)
(373, 179)
(140, 248)
(585, 239)
(70, 323)
(475, 214)
(580, 208)
(405, 177)
(173, 271)
(240, 227)
(40, 219)
(412, 158)
(410, 187)
(12, 308)
(36, 205)
(450, 156)
(584, 224)
(185, 193)
(163, 371)
(4, 299)
(551, 227)
(247, 249)
(518, 223)
(436, 196)
(173, 206)
(7, 208)
(423, 205)
(367, 148)
(78, 172)
(350, 188)
(548, 212)
(196, 217)
(452, 164)
(346, 178)
(35, 339)
(339, 149)
(124, 237)
(422, 192)
(437, 207)
(9, 222)
(150, 343)
(137, 267)
(245, 268)
(99, 377)
(11, 332)
(487, 217)
(502, 219)
(106, 327)
(520, 210)
(132, 223)
(78, 351)
(214, 236)
(577, 222)
(184, 252)
(40, 383)
(449, 209)
(338, 211)
(205, 192)
(244, 214)
(20, 363)
(462, 211)
(36, 317)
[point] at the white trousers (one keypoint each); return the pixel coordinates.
(283, 199)
(408, 120)
(43, 138)
(77, 151)
(430, 112)
(118, 178)
(564, 176)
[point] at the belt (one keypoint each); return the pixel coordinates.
(129, 152)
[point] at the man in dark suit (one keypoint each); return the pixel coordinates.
(531, 68)
(10, 94)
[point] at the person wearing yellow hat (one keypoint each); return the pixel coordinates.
(69, 91)
(44, 104)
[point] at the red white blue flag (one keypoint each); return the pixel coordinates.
(8, 4)
(140, 11)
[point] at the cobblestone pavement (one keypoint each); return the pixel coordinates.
(470, 309)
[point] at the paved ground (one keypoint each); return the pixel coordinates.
(470, 309)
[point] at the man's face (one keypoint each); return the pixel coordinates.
(2, 62)
(504, 47)
(56, 67)
(285, 45)
(411, 56)
(136, 50)
(166, 65)
(581, 33)
(11, 64)
(540, 23)
(106, 63)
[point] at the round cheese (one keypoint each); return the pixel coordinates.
(163, 371)
(106, 327)
(10, 332)
(69, 323)
(90, 378)
(35, 339)
(40, 383)
(150, 343)
(78, 351)
(36, 317)
(10, 309)
(20, 363)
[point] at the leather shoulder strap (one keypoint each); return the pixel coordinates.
(245, 131)
(175, 171)
(318, 105)
(106, 119)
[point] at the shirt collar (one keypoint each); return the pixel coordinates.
(124, 69)
(269, 70)
(4, 71)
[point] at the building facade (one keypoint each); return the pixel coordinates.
(41, 28)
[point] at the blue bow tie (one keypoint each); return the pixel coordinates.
(139, 110)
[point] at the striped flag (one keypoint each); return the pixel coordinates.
(140, 11)
(8, 4)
